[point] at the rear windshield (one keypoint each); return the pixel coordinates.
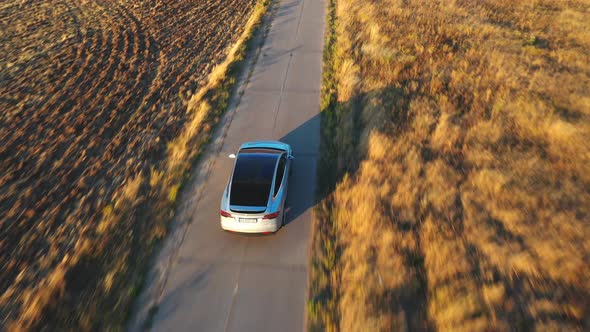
(252, 179)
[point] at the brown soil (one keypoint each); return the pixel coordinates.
(91, 94)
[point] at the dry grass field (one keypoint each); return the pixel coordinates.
(456, 182)
(105, 104)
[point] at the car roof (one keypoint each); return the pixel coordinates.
(255, 166)
(252, 178)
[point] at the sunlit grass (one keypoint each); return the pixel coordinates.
(462, 131)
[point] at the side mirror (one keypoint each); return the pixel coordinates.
(232, 156)
(290, 157)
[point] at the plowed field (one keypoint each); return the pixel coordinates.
(91, 92)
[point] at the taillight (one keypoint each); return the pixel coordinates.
(271, 216)
(225, 214)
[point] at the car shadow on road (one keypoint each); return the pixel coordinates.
(305, 142)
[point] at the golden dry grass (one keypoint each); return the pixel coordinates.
(88, 278)
(461, 137)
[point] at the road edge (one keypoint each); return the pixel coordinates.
(319, 257)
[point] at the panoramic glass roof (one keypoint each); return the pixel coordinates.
(252, 178)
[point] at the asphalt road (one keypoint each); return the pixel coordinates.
(221, 281)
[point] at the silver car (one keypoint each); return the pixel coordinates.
(254, 199)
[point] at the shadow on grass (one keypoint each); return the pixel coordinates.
(342, 152)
